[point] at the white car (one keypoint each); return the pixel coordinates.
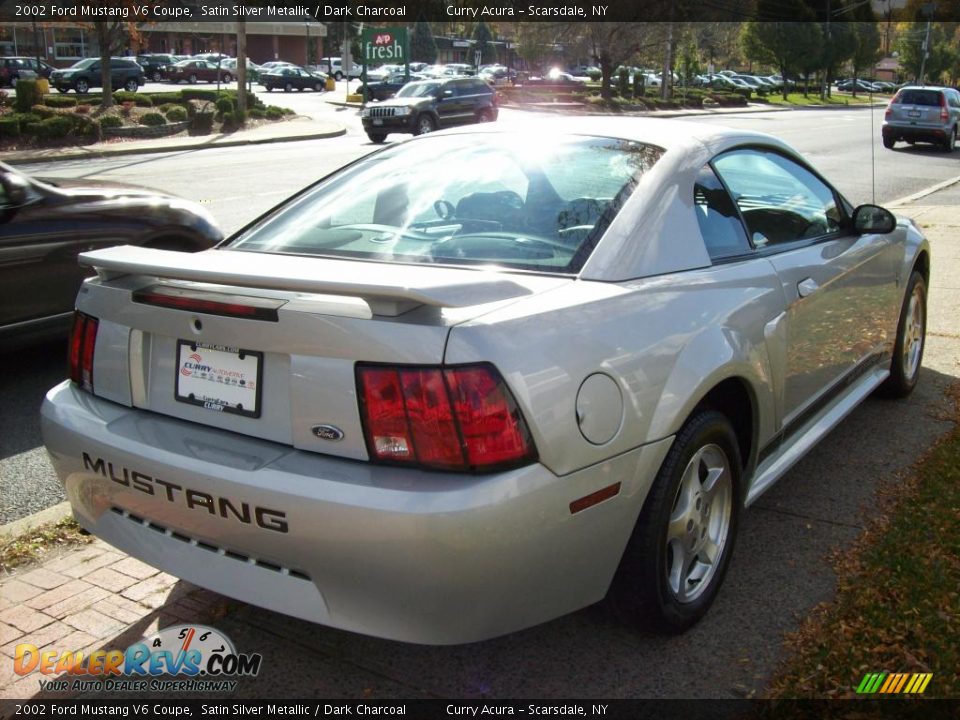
(483, 378)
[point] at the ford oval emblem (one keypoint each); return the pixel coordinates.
(328, 432)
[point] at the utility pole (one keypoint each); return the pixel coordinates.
(925, 50)
(242, 71)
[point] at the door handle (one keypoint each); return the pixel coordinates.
(807, 287)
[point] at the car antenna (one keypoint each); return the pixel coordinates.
(873, 154)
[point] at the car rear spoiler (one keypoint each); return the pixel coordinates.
(387, 289)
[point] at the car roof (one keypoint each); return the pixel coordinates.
(664, 133)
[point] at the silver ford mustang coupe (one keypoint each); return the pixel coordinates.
(483, 378)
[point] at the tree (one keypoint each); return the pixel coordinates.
(481, 38)
(940, 56)
(423, 48)
(112, 37)
(789, 46)
(867, 48)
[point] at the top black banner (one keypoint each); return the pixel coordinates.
(380, 12)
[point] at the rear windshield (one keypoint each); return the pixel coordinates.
(512, 201)
(919, 97)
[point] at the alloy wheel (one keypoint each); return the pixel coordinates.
(699, 524)
(913, 334)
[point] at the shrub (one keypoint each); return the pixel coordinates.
(122, 96)
(43, 111)
(191, 94)
(257, 113)
(143, 101)
(28, 95)
(288, 111)
(225, 105)
(54, 127)
(176, 113)
(273, 113)
(9, 126)
(623, 82)
(84, 109)
(165, 98)
(639, 81)
(110, 121)
(60, 101)
(201, 117)
(152, 119)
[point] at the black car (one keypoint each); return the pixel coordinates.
(290, 77)
(81, 76)
(13, 68)
(387, 87)
(45, 224)
(424, 106)
(155, 64)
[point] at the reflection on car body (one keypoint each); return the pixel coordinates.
(558, 377)
(45, 224)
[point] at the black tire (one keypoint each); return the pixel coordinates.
(951, 142)
(288, 87)
(269, 88)
(377, 137)
(318, 87)
(227, 78)
(81, 86)
(485, 116)
(157, 76)
(338, 76)
(642, 594)
(192, 79)
(131, 85)
(425, 124)
(911, 328)
(889, 142)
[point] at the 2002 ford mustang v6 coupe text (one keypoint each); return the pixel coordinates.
(486, 377)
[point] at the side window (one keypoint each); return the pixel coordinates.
(780, 201)
(719, 220)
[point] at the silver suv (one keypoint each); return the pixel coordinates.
(925, 114)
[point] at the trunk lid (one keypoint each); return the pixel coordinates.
(175, 324)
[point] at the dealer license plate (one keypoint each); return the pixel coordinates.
(219, 378)
(913, 113)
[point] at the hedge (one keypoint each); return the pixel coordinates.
(176, 114)
(59, 101)
(153, 119)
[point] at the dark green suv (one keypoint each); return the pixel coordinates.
(424, 106)
(85, 74)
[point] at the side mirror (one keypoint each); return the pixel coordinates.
(873, 219)
(16, 189)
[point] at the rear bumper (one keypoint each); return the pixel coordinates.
(913, 132)
(419, 557)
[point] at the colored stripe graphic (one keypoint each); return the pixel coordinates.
(894, 683)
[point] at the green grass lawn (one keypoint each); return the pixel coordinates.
(897, 608)
(797, 99)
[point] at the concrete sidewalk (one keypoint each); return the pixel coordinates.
(93, 597)
(296, 128)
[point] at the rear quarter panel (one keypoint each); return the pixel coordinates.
(665, 342)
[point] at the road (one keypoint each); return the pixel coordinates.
(777, 575)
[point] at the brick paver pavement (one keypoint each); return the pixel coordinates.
(94, 598)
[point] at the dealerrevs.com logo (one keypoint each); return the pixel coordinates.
(200, 658)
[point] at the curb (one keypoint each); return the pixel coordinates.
(24, 525)
(112, 152)
(909, 199)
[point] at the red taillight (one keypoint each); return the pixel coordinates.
(459, 418)
(889, 111)
(240, 306)
(944, 113)
(83, 342)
